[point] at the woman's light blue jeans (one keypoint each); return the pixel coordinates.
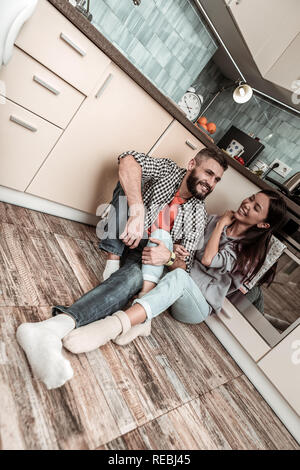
(176, 289)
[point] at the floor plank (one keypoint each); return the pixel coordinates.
(195, 354)
(35, 220)
(40, 268)
(232, 416)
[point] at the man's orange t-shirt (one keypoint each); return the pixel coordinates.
(166, 217)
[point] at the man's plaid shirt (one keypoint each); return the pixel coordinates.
(161, 178)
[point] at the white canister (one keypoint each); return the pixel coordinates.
(235, 148)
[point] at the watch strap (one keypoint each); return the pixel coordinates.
(171, 260)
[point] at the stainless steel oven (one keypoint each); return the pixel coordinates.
(274, 311)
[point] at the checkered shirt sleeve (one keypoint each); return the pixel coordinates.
(153, 169)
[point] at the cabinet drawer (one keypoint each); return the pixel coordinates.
(178, 144)
(34, 87)
(245, 334)
(52, 40)
(282, 367)
(25, 141)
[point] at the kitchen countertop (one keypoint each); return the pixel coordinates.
(170, 106)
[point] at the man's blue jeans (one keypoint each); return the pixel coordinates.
(114, 293)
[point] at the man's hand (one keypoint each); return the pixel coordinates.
(134, 228)
(180, 251)
(156, 255)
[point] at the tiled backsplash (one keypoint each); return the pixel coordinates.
(277, 129)
(168, 42)
(165, 39)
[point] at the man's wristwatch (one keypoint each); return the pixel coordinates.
(171, 260)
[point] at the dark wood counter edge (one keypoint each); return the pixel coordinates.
(121, 61)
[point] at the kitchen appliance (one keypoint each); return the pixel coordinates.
(259, 168)
(290, 187)
(252, 147)
(84, 7)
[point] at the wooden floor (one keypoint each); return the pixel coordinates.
(177, 389)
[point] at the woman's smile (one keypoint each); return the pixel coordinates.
(242, 211)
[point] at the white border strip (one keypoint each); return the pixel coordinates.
(36, 203)
(281, 408)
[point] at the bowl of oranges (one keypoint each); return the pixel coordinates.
(206, 127)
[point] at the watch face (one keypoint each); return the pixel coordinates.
(190, 103)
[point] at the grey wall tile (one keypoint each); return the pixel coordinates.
(169, 31)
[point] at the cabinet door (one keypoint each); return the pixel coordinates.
(282, 367)
(267, 26)
(287, 68)
(82, 169)
(25, 142)
(245, 334)
(178, 144)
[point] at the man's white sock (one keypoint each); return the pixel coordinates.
(112, 265)
(42, 344)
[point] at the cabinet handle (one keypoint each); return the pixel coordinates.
(22, 123)
(104, 85)
(189, 144)
(46, 85)
(72, 44)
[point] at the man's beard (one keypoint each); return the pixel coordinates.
(192, 182)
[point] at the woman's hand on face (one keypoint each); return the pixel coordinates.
(227, 218)
(180, 251)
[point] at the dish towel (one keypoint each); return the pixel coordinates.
(13, 14)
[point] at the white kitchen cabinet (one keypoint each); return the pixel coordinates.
(178, 144)
(244, 333)
(268, 27)
(33, 86)
(25, 142)
(55, 42)
(287, 68)
(282, 367)
(82, 169)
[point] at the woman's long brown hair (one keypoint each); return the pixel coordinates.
(252, 249)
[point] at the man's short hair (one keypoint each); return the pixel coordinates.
(216, 155)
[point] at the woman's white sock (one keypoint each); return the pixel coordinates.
(42, 344)
(112, 265)
(90, 337)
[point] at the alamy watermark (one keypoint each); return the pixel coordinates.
(295, 357)
(296, 92)
(114, 218)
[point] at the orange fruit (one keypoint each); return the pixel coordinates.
(211, 127)
(204, 126)
(202, 120)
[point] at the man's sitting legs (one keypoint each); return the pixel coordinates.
(115, 224)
